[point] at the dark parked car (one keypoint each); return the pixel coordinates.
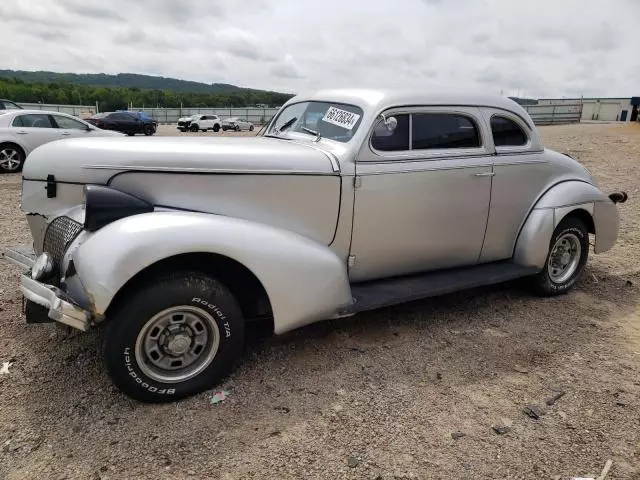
(125, 122)
(142, 116)
(9, 105)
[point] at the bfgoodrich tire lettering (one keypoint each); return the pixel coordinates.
(550, 282)
(136, 374)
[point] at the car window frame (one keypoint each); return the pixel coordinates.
(473, 113)
(55, 115)
(526, 129)
(48, 115)
(4, 105)
(13, 122)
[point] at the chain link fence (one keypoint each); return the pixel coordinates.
(554, 114)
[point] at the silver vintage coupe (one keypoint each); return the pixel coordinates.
(349, 200)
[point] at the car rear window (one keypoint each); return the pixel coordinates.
(506, 132)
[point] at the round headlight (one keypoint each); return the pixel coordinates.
(42, 267)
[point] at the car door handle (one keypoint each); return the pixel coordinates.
(22, 132)
(484, 174)
(65, 133)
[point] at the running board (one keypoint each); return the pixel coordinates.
(391, 291)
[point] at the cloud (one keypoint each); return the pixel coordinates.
(287, 68)
(559, 48)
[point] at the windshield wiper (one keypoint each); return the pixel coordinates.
(286, 124)
(312, 132)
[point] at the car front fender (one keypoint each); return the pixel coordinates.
(305, 281)
(555, 204)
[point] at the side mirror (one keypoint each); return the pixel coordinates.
(390, 123)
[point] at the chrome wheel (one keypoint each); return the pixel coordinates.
(10, 159)
(177, 344)
(564, 258)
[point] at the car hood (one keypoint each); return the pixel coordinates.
(97, 160)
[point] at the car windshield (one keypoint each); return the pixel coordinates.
(335, 121)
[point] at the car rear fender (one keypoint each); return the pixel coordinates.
(570, 197)
(305, 281)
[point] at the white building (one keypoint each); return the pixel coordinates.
(602, 109)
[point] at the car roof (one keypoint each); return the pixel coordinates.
(7, 116)
(43, 112)
(381, 99)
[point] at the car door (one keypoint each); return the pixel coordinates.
(521, 174)
(33, 130)
(422, 193)
(136, 125)
(69, 127)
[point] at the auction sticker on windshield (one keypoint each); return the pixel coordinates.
(341, 118)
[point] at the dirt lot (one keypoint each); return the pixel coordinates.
(375, 396)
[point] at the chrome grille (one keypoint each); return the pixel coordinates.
(60, 233)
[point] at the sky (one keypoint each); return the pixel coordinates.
(532, 48)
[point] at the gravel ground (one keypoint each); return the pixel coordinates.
(375, 396)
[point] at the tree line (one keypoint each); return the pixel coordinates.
(115, 98)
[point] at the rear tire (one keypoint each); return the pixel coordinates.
(194, 128)
(11, 158)
(567, 257)
(216, 128)
(251, 128)
(173, 338)
(237, 129)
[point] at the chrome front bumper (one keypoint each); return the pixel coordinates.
(61, 307)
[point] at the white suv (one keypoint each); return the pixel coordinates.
(204, 123)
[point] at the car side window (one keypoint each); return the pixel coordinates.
(443, 130)
(17, 122)
(395, 140)
(34, 120)
(506, 132)
(66, 122)
(10, 105)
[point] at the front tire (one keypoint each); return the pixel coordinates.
(567, 257)
(11, 158)
(194, 128)
(237, 129)
(148, 130)
(174, 338)
(216, 128)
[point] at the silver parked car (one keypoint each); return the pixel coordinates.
(349, 201)
(21, 131)
(237, 124)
